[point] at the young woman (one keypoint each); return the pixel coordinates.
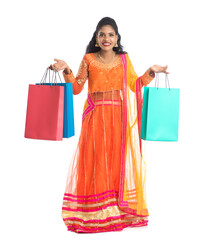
(105, 189)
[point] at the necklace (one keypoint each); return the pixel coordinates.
(102, 59)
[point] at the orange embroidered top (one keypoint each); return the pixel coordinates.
(102, 77)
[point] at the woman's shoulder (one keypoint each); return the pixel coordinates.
(88, 57)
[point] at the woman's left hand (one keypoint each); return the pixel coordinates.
(159, 69)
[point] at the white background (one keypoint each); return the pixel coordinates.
(33, 172)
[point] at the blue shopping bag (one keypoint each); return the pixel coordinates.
(68, 117)
(160, 114)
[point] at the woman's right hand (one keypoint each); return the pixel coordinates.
(59, 65)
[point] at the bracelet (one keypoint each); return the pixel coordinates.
(152, 73)
(67, 71)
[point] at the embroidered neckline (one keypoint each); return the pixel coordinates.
(106, 65)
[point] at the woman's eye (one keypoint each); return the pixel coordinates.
(103, 35)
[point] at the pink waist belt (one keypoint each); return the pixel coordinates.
(107, 102)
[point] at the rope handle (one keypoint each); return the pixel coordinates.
(166, 81)
(54, 77)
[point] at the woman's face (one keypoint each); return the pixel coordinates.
(106, 38)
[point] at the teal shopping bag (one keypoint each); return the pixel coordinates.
(160, 114)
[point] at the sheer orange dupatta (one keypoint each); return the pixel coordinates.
(132, 196)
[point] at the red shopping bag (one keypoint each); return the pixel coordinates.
(44, 117)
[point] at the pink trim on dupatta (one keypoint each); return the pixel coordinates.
(124, 128)
(139, 108)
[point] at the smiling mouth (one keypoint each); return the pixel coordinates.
(106, 44)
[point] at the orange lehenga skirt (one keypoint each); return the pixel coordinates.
(91, 196)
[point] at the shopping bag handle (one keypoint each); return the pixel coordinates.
(54, 77)
(166, 81)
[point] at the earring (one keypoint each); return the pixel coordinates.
(116, 45)
(96, 45)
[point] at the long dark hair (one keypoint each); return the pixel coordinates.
(91, 48)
